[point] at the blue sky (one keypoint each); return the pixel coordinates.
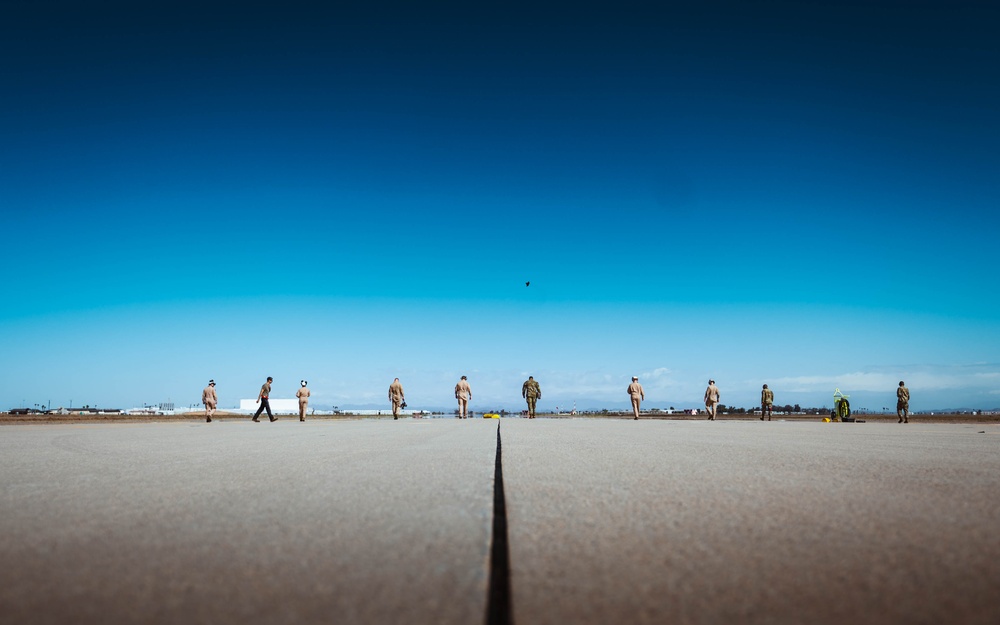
(755, 192)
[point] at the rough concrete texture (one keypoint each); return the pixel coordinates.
(351, 522)
(609, 521)
(750, 522)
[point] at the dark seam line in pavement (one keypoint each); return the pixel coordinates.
(499, 609)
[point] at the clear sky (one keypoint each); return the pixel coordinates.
(803, 194)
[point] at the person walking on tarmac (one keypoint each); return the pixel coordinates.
(396, 397)
(711, 399)
(209, 398)
(531, 392)
(303, 395)
(903, 403)
(463, 393)
(265, 391)
(636, 394)
(766, 402)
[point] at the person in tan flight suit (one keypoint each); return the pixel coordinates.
(463, 393)
(396, 397)
(766, 402)
(637, 395)
(711, 399)
(903, 403)
(210, 400)
(303, 395)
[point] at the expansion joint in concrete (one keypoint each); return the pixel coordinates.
(499, 608)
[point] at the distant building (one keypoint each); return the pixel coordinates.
(278, 406)
(163, 408)
(291, 406)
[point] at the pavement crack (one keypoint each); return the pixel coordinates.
(499, 608)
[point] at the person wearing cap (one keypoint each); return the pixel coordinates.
(463, 393)
(903, 403)
(209, 398)
(766, 402)
(396, 397)
(303, 395)
(636, 393)
(265, 391)
(711, 399)
(531, 392)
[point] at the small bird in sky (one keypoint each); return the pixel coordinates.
(527, 283)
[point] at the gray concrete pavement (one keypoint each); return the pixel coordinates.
(238, 522)
(609, 520)
(750, 522)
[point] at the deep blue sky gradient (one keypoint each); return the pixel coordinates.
(711, 188)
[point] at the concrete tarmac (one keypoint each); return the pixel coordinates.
(239, 522)
(381, 521)
(751, 522)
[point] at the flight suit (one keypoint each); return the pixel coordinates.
(303, 395)
(396, 397)
(463, 393)
(210, 400)
(636, 393)
(711, 400)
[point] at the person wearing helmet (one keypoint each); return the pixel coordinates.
(303, 395)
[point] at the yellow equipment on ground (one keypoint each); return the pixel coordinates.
(841, 407)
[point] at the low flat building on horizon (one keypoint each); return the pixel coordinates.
(367, 412)
(278, 406)
(291, 406)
